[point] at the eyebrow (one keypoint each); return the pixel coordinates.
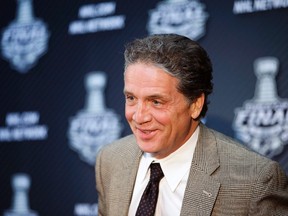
(126, 92)
(156, 96)
(153, 96)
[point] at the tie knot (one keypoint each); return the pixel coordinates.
(156, 172)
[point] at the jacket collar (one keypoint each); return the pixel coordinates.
(202, 190)
(124, 181)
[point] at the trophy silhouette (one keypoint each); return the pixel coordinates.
(25, 39)
(20, 201)
(260, 123)
(95, 125)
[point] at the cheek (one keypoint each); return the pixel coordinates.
(172, 121)
(162, 117)
(128, 113)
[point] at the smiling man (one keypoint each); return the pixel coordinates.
(173, 164)
(158, 114)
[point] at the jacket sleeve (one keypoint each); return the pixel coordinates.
(270, 192)
(100, 186)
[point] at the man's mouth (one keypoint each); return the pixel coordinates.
(145, 133)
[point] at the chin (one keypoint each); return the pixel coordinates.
(146, 147)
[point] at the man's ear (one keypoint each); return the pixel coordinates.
(196, 106)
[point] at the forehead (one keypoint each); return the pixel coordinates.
(141, 75)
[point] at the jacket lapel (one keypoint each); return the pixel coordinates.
(127, 175)
(202, 190)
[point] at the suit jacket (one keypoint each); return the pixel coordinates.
(225, 179)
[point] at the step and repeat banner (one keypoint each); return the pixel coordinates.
(61, 83)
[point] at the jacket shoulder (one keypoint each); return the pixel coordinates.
(124, 147)
(240, 161)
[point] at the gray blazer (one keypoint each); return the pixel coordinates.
(225, 179)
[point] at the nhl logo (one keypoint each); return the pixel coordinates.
(262, 122)
(185, 17)
(95, 125)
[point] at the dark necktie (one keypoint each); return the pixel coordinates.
(148, 200)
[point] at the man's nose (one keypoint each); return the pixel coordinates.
(142, 113)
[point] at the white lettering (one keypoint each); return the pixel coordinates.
(25, 118)
(260, 5)
(4, 134)
(261, 117)
(12, 119)
(249, 6)
(96, 10)
(280, 3)
(86, 209)
(97, 24)
(242, 7)
(39, 132)
(94, 18)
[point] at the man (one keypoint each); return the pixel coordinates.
(167, 82)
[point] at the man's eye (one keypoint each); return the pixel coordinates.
(129, 98)
(156, 102)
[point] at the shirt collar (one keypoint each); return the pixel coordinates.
(176, 165)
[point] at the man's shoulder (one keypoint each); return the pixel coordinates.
(124, 144)
(123, 141)
(237, 162)
(231, 148)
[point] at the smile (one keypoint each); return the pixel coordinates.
(144, 133)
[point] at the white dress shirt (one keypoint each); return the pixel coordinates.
(176, 168)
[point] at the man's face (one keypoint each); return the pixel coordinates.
(158, 114)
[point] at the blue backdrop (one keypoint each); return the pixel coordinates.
(61, 87)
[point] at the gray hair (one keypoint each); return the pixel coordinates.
(179, 56)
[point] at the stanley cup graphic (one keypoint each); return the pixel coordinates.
(20, 200)
(185, 17)
(95, 125)
(95, 84)
(25, 39)
(266, 69)
(261, 123)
